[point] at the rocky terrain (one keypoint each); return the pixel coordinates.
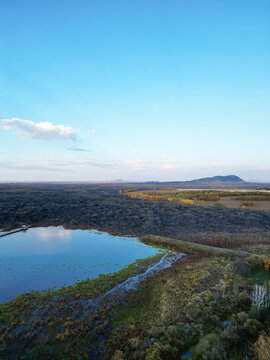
(103, 207)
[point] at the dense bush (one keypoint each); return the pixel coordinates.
(255, 262)
(242, 268)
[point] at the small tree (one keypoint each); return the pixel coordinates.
(260, 297)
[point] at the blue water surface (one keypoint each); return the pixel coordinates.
(51, 257)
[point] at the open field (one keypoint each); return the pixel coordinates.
(220, 198)
(233, 203)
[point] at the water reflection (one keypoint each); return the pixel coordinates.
(49, 233)
(42, 258)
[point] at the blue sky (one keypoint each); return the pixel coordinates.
(137, 90)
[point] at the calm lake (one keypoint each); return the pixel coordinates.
(42, 258)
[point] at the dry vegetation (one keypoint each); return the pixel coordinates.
(233, 199)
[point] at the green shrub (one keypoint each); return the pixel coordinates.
(252, 326)
(243, 299)
(203, 345)
(254, 312)
(161, 352)
(219, 205)
(247, 203)
(242, 268)
(255, 262)
(118, 355)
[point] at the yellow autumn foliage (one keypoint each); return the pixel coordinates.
(187, 201)
(266, 263)
(262, 347)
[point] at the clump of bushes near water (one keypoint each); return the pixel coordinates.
(219, 322)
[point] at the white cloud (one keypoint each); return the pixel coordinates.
(138, 164)
(72, 148)
(43, 130)
(87, 162)
(23, 166)
(216, 164)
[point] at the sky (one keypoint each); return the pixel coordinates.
(135, 90)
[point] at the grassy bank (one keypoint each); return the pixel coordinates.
(187, 247)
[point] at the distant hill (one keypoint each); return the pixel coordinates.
(228, 179)
(219, 179)
(209, 183)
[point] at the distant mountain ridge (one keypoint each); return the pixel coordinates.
(219, 179)
(227, 179)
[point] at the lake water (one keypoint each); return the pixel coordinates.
(42, 258)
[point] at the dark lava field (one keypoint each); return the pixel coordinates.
(103, 207)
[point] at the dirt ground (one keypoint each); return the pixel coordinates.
(230, 202)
